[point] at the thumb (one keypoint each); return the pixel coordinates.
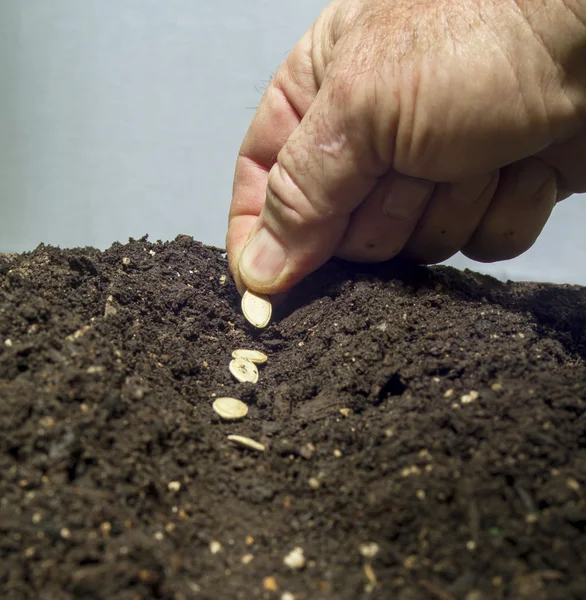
(323, 172)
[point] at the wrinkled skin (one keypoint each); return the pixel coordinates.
(412, 127)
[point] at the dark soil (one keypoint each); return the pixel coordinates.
(462, 454)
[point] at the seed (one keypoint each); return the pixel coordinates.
(257, 308)
(230, 408)
(244, 441)
(255, 356)
(244, 370)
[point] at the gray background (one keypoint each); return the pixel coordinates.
(124, 117)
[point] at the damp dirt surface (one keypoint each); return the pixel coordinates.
(424, 433)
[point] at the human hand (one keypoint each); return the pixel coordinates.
(416, 127)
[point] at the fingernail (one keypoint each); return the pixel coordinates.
(263, 259)
(405, 196)
(469, 191)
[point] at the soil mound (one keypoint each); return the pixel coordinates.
(424, 433)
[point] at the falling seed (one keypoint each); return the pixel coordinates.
(244, 441)
(230, 408)
(244, 370)
(257, 308)
(255, 356)
(295, 559)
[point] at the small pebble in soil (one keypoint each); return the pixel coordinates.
(295, 559)
(230, 409)
(369, 549)
(246, 559)
(247, 442)
(287, 596)
(314, 483)
(257, 308)
(573, 484)
(244, 370)
(215, 547)
(270, 584)
(174, 486)
(8, 343)
(307, 451)
(370, 576)
(255, 356)
(469, 397)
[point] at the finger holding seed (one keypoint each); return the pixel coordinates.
(244, 370)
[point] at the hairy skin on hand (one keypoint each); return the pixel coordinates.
(415, 127)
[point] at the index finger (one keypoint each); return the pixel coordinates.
(283, 105)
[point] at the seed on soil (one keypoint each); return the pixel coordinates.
(247, 442)
(230, 409)
(255, 356)
(244, 370)
(257, 308)
(295, 559)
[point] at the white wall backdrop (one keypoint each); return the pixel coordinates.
(124, 117)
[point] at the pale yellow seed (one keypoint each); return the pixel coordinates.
(244, 370)
(244, 441)
(255, 356)
(257, 308)
(230, 408)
